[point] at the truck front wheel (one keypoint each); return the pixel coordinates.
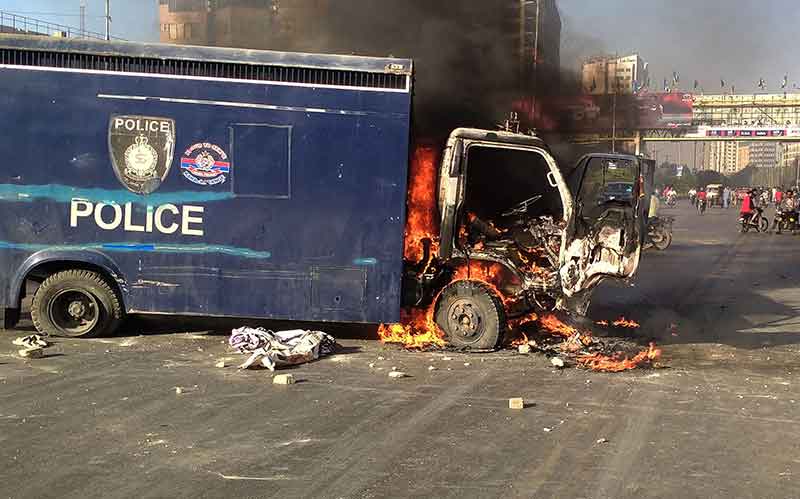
(76, 303)
(471, 315)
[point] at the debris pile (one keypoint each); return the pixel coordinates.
(285, 348)
(562, 341)
(33, 346)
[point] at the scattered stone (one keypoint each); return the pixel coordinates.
(398, 375)
(467, 364)
(602, 440)
(381, 358)
(446, 359)
(547, 430)
(516, 404)
(557, 362)
(432, 368)
(283, 379)
(371, 365)
(524, 349)
(32, 353)
(220, 364)
(178, 390)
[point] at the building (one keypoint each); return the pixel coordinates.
(614, 75)
(539, 44)
(766, 154)
(791, 154)
(722, 157)
(255, 24)
(743, 157)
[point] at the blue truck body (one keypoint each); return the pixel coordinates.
(213, 182)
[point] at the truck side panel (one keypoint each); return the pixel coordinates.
(301, 217)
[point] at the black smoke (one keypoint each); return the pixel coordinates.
(465, 53)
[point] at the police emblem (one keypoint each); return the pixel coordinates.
(205, 164)
(142, 150)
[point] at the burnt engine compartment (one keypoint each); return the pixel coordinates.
(513, 216)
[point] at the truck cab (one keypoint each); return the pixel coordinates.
(520, 233)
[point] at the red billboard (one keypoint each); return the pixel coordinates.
(596, 113)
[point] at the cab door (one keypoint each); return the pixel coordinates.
(605, 234)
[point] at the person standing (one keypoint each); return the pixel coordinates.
(726, 198)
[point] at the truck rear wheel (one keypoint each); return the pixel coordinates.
(77, 304)
(471, 315)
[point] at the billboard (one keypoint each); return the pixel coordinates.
(600, 113)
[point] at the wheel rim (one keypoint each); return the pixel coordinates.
(74, 311)
(464, 320)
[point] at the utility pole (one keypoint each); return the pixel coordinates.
(108, 20)
(83, 19)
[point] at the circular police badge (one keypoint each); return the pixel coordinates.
(141, 160)
(205, 164)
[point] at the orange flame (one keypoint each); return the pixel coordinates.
(602, 323)
(417, 331)
(421, 222)
(623, 322)
(613, 364)
(519, 341)
(554, 325)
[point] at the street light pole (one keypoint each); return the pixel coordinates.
(108, 20)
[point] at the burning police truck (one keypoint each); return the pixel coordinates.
(152, 179)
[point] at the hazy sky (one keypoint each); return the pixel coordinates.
(132, 19)
(738, 40)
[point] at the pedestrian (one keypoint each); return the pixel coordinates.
(726, 198)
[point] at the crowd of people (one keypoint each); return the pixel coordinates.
(751, 201)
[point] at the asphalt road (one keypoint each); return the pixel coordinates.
(102, 418)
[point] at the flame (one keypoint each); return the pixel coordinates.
(417, 331)
(519, 341)
(613, 364)
(602, 323)
(623, 322)
(490, 274)
(554, 325)
(421, 222)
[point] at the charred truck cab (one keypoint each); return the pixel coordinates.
(518, 233)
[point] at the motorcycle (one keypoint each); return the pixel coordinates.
(672, 201)
(701, 206)
(755, 220)
(785, 221)
(659, 232)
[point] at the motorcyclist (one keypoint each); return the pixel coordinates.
(746, 211)
(702, 200)
(693, 196)
(788, 206)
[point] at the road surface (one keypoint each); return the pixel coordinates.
(102, 418)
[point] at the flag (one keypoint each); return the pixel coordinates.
(696, 84)
(785, 81)
(666, 85)
(762, 84)
(676, 77)
(722, 83)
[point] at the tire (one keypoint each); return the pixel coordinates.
(763, 224)
(76, 304)
(664, 243)
(471, 315)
